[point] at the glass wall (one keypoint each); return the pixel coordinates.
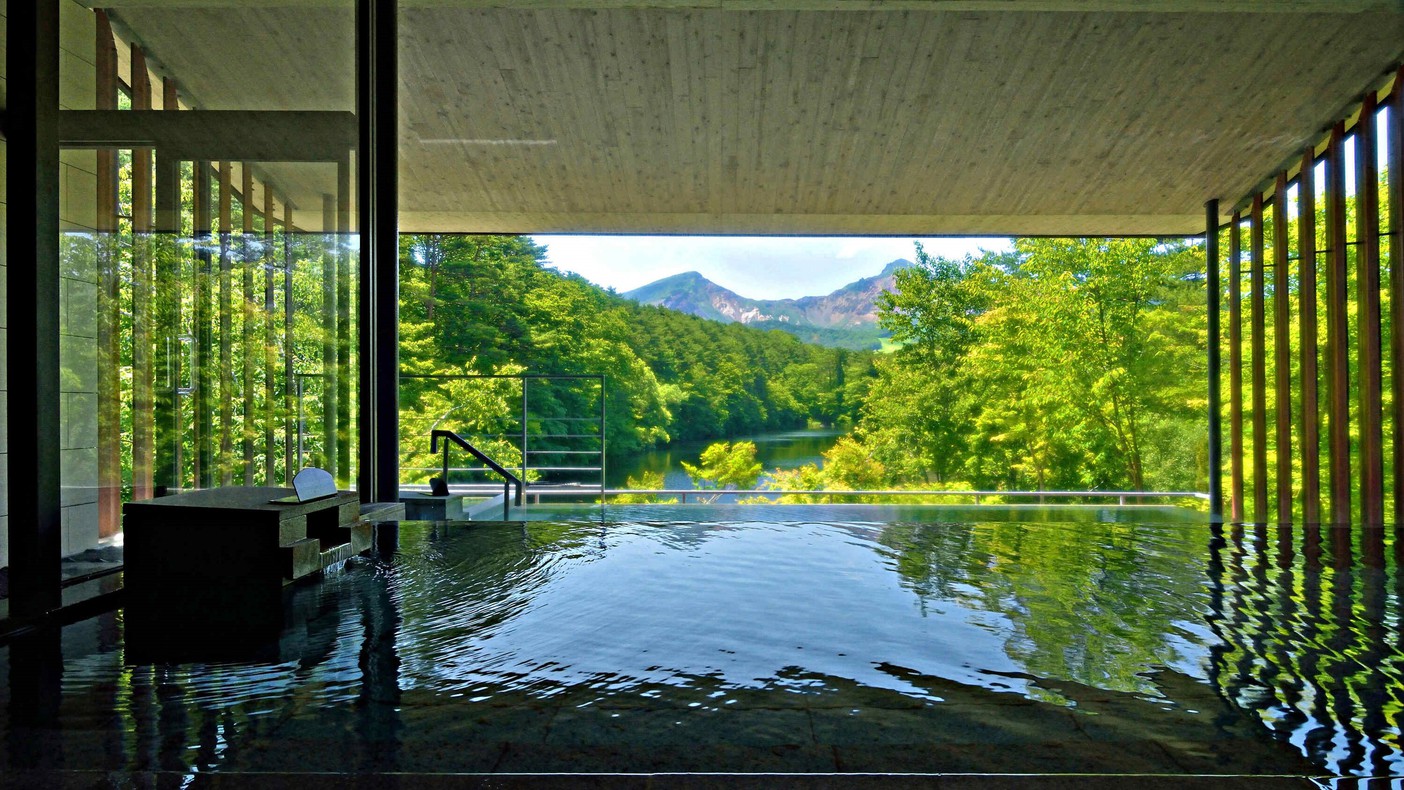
(209, 279)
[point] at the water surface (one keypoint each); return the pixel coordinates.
(762, 641)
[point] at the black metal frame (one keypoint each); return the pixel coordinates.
(1216, 439)
(31, 128)
(377, 184)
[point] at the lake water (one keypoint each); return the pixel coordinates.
(783, 450)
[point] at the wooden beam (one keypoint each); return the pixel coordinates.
(1367, 300)
(246, 135)
(1306, 316)
(143, 372)
(1396, 287)
(1258, 361)
(1337, 366)
(109, 298)
(1236, 367)
(1282, 350)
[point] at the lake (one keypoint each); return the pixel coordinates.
(782, 450)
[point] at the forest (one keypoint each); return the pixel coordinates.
(1068, 363)
(481, 305)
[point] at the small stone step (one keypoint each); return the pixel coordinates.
(301, 558)
(383, 511)
(337, 554)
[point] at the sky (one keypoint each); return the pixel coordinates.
(767, 267)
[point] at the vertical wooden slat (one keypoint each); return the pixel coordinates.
(226, 325)
(1282, 350)
(1258, 361)
(1337, 366)
(1212, 268)
(330, 373)
(1367, 296)
(270, 340)
(248, 308)
(1396, 285)
(1236, 367)
(1306, 314)
(109, 299)
(143, 419)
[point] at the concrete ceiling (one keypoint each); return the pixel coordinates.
(814, 117)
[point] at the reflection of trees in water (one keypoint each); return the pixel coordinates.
(1095, 603)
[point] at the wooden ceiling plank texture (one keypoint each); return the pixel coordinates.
(964, 120)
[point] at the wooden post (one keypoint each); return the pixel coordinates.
(1367, 299)
(109, 299)
(1282, 350)
(1236, 368)
(1337, 367)
(1258, 363)
(330, 373)
(1396, 285)
(143, 418)
(1212, 267)
(1306, 315)
(226, 326)
(249, 409)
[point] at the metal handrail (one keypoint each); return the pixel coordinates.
(508, 479)
(684, 493)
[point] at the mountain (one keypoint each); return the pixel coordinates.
(846, 318)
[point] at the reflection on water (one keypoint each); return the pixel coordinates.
(746, 645)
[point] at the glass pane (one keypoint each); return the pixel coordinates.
(208, 327)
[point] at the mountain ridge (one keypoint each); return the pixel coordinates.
(843, 318)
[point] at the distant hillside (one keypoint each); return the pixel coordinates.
(846, 318)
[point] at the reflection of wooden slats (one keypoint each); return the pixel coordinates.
(1282, 350)
(270, 339)
(201, 425)
(248, 309)
(1367, 296)
(109, 298)
(289, 406)
(344, 265)
(142, 372)
(329, 347)
(1337, 367)
(1236, 367)
(1258, 361)
(1306, 313)
(226, 325)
